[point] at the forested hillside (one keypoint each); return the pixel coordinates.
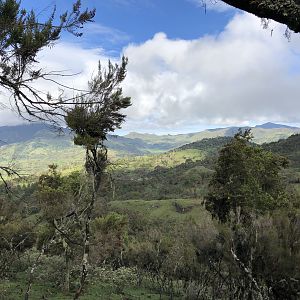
(31, 148)
(289, 147)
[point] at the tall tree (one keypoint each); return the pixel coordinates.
(245, 185)
(246, 180)
(92, 118)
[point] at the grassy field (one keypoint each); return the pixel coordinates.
(15, 290)
(170, 210)
(168, 160)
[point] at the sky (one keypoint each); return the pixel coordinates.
(190, 67)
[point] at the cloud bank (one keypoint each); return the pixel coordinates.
(239, 76)
(242, 75)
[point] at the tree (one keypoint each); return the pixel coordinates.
(246, 180)
(22, 37)
(91, 119)
(246, 185)
(282, 11)
(56, 197)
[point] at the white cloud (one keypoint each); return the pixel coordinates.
(109, 34)
(241, 76)
(65, 58)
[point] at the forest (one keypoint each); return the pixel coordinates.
(214, 215)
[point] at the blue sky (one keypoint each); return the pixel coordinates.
(188, 69)
(135, 21)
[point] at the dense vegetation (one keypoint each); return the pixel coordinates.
(165, 243)
(214, 219)
(288, 147)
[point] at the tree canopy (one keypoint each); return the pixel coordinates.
(22, 37)
(246, 180)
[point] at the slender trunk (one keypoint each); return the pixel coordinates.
(67, 275)
(86, 240)
(30, 280)
(95, 164)
(86, 250)
(248, 274)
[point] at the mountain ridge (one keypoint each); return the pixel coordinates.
(24, 132)
(33, 147)
(270, 125)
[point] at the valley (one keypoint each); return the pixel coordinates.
(151, 225)
(31, 148)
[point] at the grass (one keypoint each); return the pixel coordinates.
(167, 160)
(15, 290)
(170, 210)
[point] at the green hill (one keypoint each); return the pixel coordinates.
(31, 148)
(185, 172)
(264, 133)
(34, 156)
(289, 148)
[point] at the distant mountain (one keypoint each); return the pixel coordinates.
(34, 132)
(270, 125)
(144, 143)
(33, 147)
(265, 133)
(207, 145)
(20, 133)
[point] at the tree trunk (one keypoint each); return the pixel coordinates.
(283, 11)
(86, 238)
(85, 257)
(67, 275)
(30, 281)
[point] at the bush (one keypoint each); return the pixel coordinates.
(118, 278)
(50, 269)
